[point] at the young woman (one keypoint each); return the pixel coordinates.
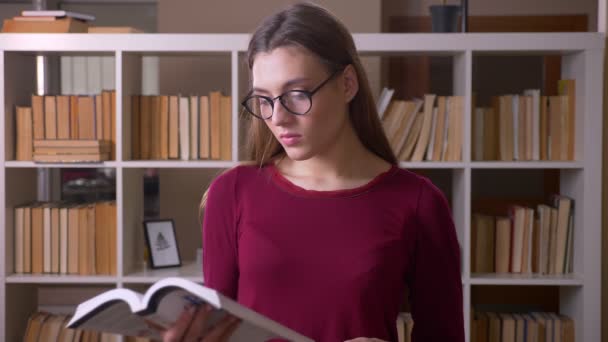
(324, 232)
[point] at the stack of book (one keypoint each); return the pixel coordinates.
(49, 327)
(526, 126)
(428, 129)
(51, 21)
(526, 326)
(69, 151)
(186, 127)
(65, 238)
(68, 119)
(525, 241)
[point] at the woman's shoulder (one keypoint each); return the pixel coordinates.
(237, 176)
(421, 185)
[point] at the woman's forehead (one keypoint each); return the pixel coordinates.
(283, 64)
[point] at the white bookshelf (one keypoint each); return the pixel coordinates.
(582, 59)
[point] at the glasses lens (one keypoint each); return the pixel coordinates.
(297, 102)
(259, 106)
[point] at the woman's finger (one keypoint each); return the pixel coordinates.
(231, 328)
(175, 333)
(217, 333)
(154, 326)
(197, 325)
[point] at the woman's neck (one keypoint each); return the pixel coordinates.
(346, 163)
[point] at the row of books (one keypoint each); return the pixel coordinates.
(521, 327)
(527, 126)
(526, 241)
(66, 117)
(182, 127)
(424, 129)
(65, 238)
(49, 327)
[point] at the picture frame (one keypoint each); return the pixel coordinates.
(161, 241)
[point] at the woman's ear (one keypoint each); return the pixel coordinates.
(351, 82)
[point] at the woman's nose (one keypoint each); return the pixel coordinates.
(280, 115)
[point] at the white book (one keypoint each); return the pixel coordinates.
(66, 75)
(19, 241)
(93, 75)
(79, 75)
(444, 149)
(150, 82)
(108, 73)
(194, 127)
(380, 99)
(515, 106)
(184, 128)
(530, 239)
(384, 101)
(63, 240)
(429, 150)
(58, 13)
(535, 93)
(46, 247)
(163, 303)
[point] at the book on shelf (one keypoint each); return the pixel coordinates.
(69, 120)
(521, 326)
(59, 25)
(527, 126)
(428, 129)
(43, 326)
(65, 238)
(57, 14)
(528, 239)
(184, 127)
(114, 29)
(126, 312)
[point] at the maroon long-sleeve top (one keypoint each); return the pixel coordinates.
(333, 265)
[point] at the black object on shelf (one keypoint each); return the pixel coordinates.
(444, 17)
(465, 15)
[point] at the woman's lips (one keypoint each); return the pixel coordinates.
(290, 139)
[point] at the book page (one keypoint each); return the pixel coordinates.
(172, 304)
(117, 318)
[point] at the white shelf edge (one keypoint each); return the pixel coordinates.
(431, 165)
(211, 164)
(30, 164)
(59, 279)
(526, 279)
(527, 165)
(152, 280)
(189, 270)
(377, 43)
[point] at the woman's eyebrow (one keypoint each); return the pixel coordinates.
(287, 84)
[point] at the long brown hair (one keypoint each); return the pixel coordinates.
(314, 28)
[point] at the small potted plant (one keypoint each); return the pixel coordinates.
(444, 17)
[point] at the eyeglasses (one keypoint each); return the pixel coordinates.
(296, 102)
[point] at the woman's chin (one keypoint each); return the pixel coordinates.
(298, 153)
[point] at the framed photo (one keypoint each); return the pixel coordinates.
(162, 243)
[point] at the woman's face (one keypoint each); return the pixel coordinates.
(294, 68)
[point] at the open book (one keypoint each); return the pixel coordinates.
(123, 311)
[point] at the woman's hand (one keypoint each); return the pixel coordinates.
(189, 327)
(366, 339)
